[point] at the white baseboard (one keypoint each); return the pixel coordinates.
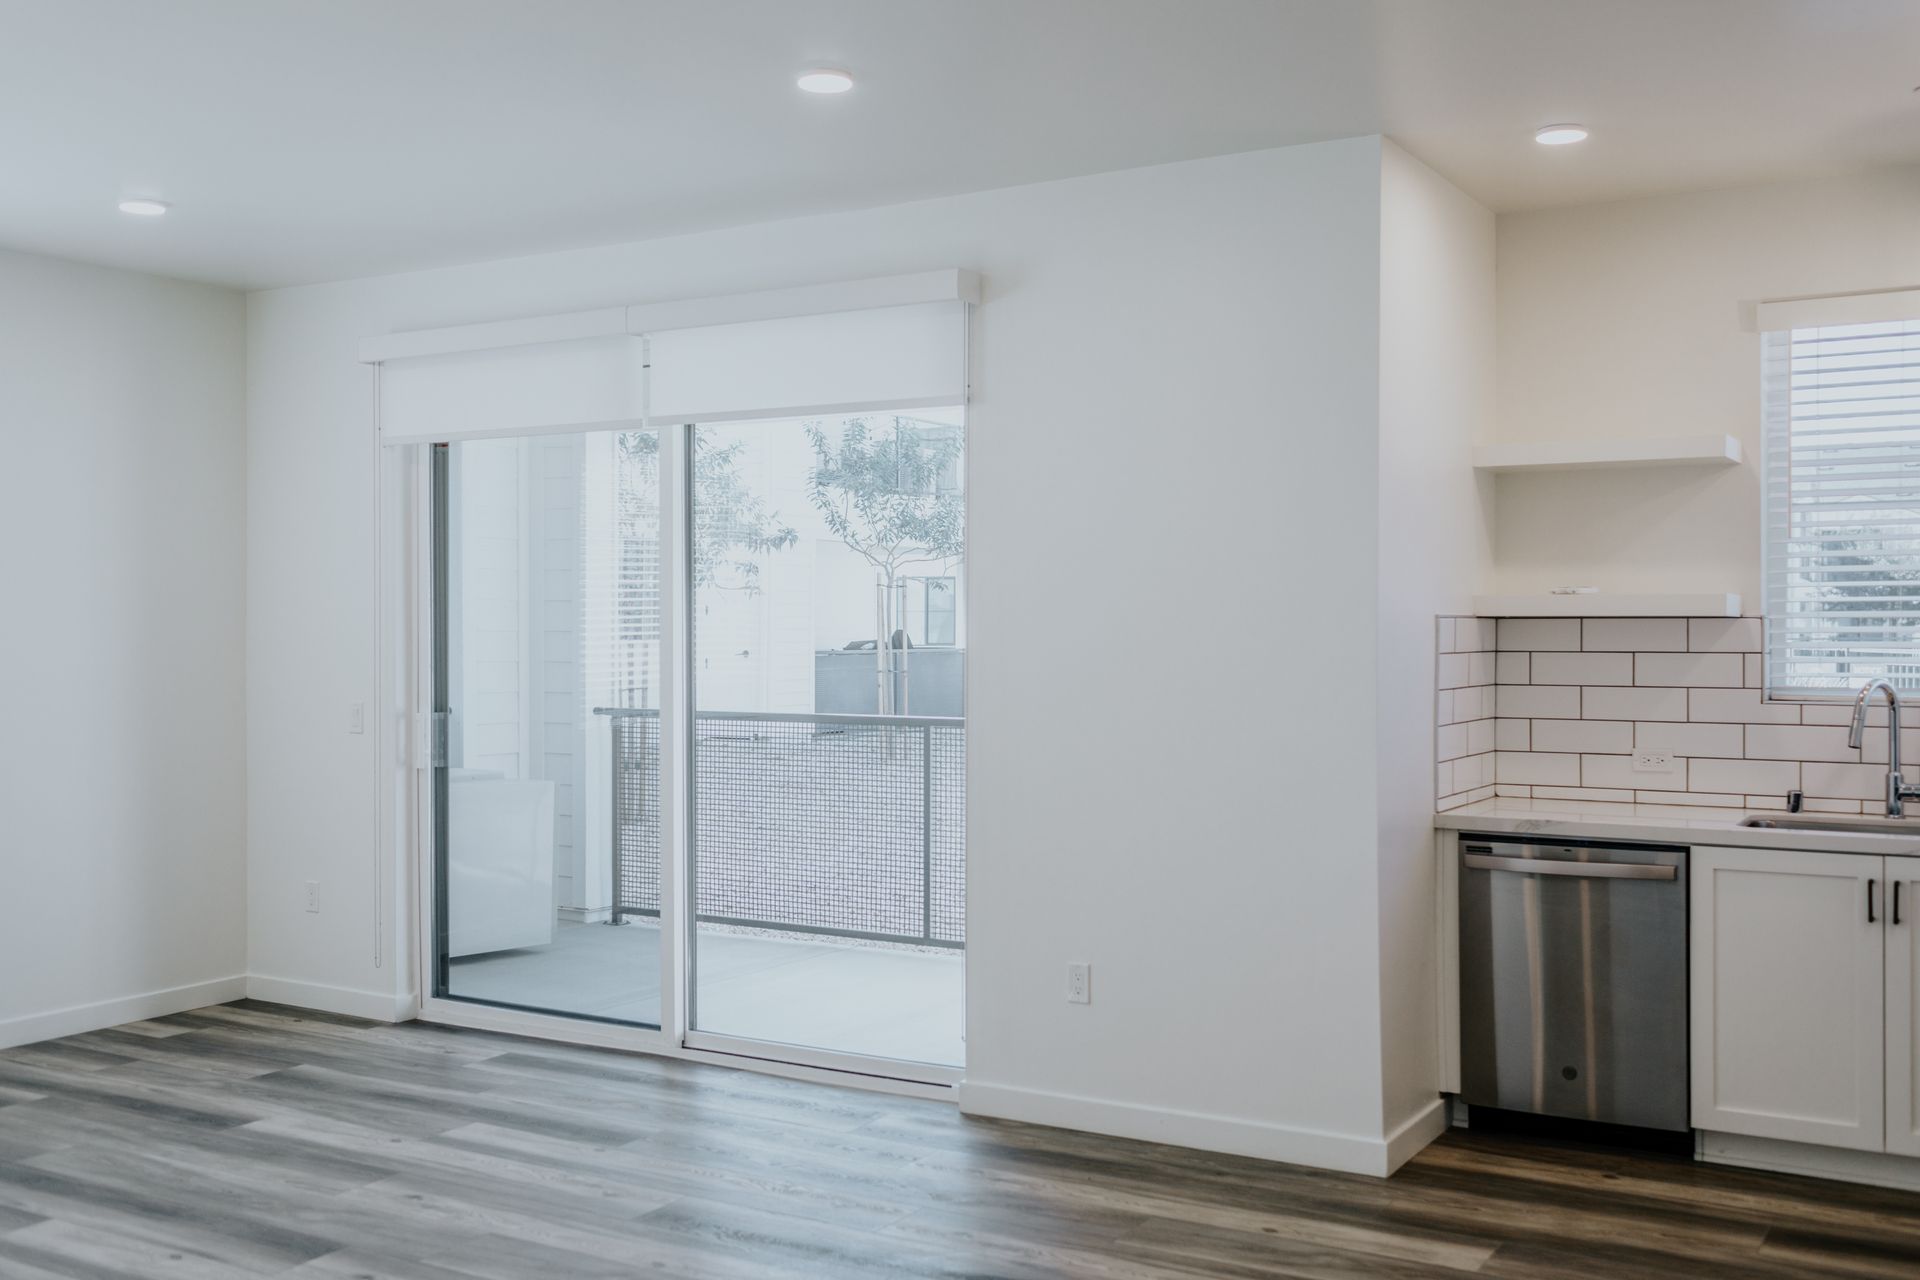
(378, 1006)
(1415, 1132)
(71, 1021)
(1348, 1153)
(1872, 1168)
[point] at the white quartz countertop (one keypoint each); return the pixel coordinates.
(1670, 824)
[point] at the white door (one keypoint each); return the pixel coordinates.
(1786, 965)
(1903, 1007)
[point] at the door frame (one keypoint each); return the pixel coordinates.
(414, 645)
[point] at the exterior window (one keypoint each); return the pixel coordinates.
(941, 602)
(1842, 580)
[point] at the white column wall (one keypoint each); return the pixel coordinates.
(1178, 365)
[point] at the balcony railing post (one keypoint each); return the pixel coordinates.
(926, 832)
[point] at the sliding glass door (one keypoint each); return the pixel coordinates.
(827, 861)
(547, 688)
(804, 698)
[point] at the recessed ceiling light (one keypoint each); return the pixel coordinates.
(825, 80)
(142, 207)
(1559, 135)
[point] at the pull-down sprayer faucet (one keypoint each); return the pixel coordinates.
(1898, 792)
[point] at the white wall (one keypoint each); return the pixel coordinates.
(1181, 361)
(1628, 319)
(122, 772)
(1435, 548)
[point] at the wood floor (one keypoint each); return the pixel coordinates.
(252, 1140)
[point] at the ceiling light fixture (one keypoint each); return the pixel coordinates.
(1559, 135)
(142, 207)
(825, 80)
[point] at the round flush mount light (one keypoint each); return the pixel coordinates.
(825, 80)
(1559, 135)
(144, 207)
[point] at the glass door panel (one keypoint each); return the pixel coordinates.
(827, 860)
(547, 677)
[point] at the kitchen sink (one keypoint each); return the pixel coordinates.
(1838, 822)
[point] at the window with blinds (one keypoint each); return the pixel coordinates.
(1842, 506)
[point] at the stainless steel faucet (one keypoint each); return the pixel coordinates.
(1898, 792)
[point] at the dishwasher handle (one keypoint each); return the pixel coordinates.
(1584, 870)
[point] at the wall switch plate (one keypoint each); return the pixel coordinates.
(1079, 984)
(1655, 762)
(311, 896)
(356, 717)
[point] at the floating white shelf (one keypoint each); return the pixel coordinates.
(1578, 455)
(1600, 604)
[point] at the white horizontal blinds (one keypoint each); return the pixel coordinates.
(1842, 500)
(895, 357)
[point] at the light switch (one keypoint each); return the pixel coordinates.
(356, 717)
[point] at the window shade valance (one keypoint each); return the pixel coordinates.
(895, 342)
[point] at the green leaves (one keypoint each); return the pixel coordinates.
(891, 492)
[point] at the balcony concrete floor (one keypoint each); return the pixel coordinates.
(878, 1001)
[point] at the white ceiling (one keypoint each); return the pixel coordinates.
(313, 139)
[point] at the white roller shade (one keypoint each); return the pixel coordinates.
(845, 362)
(898, 342)
(578, 385)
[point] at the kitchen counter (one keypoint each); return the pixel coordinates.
(1664, 824)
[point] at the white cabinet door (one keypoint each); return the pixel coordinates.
(1787, 977)
(1903, 1006)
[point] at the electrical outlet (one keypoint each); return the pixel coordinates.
(1079, 984)
(312, 896)
(1654, 762)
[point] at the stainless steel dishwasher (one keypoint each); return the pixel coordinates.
(1573, 980)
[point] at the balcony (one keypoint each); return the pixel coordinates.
(829, 868)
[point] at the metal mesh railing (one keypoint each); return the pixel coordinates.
(853, 826)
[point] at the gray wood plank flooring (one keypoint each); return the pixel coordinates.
(251, 1140)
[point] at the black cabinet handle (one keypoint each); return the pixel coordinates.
(1896, 902)
(1870, 919)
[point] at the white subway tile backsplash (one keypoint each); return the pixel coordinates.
(1608, 794)
(1583, 735)
(1538, 701)
(1688, 669)
(1840, 713)
(1533, 767)
(1696, 798)
(1835, 806)
(1723, 740)
(1744, 776)
(1845, 781)
(1799, 742)
(1618, 771)
(1539, 633)
(1583, 668)
(1624, 635)
(1739, 706)
(1873, 748)
(1633, 704)
(1555, 708)
(1724, 635)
